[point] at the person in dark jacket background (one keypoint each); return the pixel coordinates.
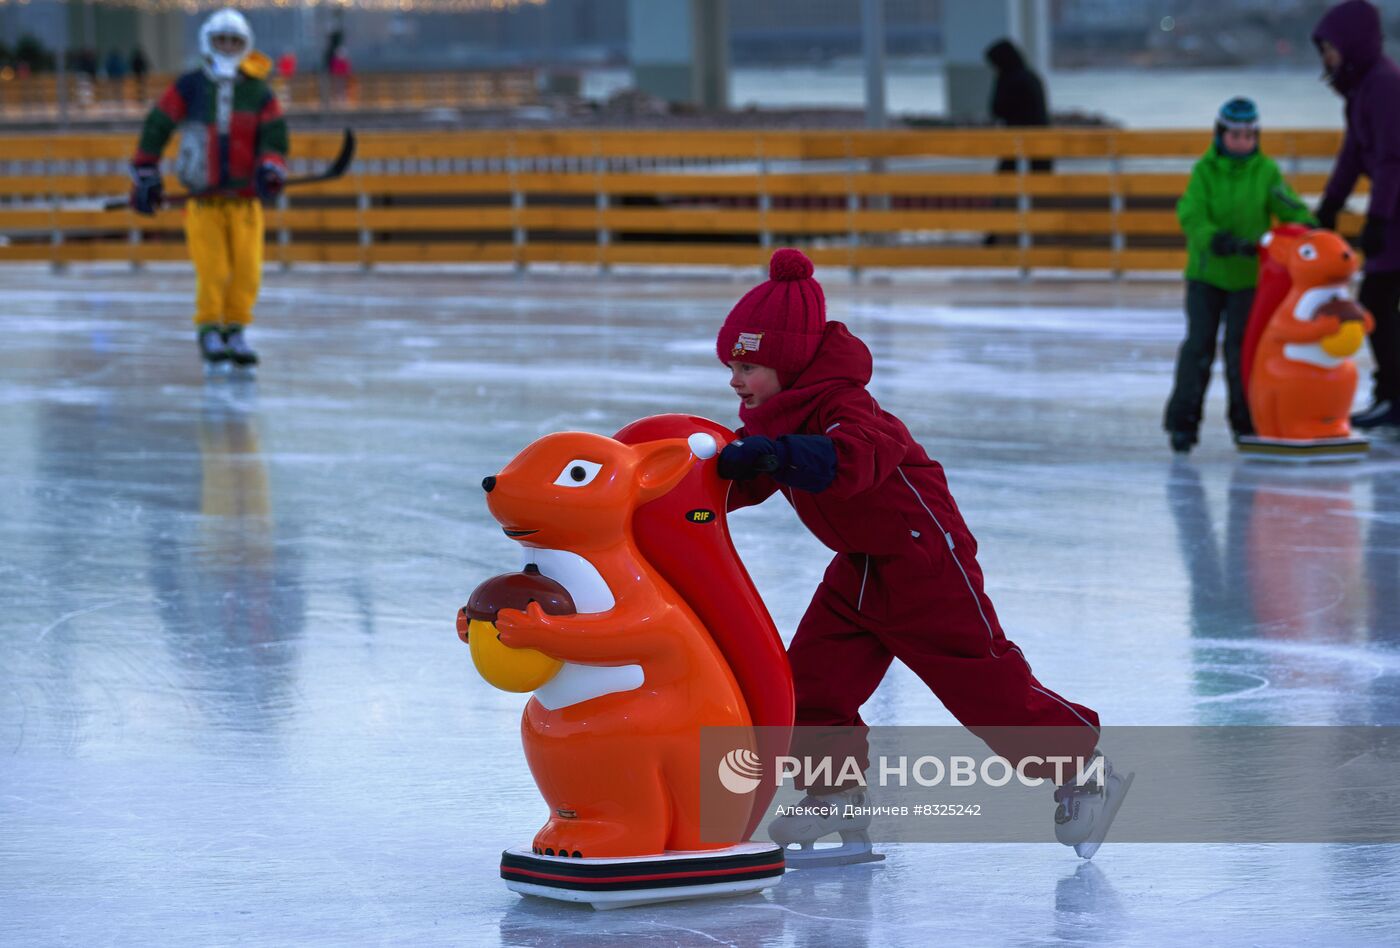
(1018, 97)
(1349, 38)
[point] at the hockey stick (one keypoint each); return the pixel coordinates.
(332, 171)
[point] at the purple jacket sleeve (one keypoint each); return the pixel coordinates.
(1345, 170)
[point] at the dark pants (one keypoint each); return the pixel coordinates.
(1380, 295)
(1205, 305)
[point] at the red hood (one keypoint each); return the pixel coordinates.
(842, 360)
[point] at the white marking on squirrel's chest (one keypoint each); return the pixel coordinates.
(575, 683)
(1312, 354)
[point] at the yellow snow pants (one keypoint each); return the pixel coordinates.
(225, 239)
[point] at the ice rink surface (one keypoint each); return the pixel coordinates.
(233, 708)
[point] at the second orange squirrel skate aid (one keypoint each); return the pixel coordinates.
(1300, 377)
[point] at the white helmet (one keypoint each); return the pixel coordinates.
(222, 58)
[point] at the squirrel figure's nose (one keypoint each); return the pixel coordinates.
(488, 483)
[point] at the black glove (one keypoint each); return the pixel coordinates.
(1372, 241)
(271, 178)
(147, 190)
(1226, 244)
(1327, 213)
(807, 462)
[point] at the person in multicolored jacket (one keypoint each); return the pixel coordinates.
(1235, 193)
(232, 158)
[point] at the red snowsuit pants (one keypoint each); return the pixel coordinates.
(926, 608)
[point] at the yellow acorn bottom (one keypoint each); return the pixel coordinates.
(510, 669)
(1345, 341)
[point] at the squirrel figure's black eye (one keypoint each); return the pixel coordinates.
(579, 472)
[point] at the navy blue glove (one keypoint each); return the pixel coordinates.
(807, 462)
(749, 457)
(147, 190)
(1372, 241)
(271, 178)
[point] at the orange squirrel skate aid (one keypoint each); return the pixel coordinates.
(1300, 375)
(611, 733)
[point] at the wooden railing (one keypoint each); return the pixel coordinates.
(37, 97)
(856, 199)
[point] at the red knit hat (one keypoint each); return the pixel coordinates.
(778, 323)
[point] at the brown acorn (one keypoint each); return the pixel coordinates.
(511, 669)
(514, 591)
(1343, 309)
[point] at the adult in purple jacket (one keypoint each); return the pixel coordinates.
(1349, 38)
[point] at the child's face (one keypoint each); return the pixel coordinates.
(1240, 141)
(754, 384)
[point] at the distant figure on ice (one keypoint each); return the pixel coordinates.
(1349, 39)
(1018, 100)
(140, 68)
(1018, 97)
(233, 149)
(905, 582)
(1235, 194)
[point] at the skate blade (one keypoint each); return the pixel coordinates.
(846, 854)
(1086, 849)
(217, 370)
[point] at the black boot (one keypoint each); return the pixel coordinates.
(1382, 414)
(1183, 441)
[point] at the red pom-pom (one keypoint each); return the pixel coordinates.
(788, 264)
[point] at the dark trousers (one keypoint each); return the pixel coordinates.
(1205, 305)
(1380, 295)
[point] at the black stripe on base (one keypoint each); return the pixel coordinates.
(666, 872)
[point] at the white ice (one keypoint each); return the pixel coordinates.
(233, 708)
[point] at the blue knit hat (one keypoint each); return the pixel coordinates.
(1238, 113)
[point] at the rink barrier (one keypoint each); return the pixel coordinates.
(857, 199)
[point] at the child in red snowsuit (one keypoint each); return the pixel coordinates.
(904, 582)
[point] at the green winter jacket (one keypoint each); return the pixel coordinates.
(1239, 195)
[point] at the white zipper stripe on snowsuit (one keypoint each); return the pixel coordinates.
(948, 538)
(863, 577)
(991, 636)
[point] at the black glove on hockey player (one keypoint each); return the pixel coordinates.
(272, 177)
(807, 462)
(1226, 244)
(147, 191)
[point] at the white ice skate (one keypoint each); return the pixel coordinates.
(1086, 812)
(819, 816)
(240, 354)
(213, 351)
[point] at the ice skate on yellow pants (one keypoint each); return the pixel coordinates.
(225, 239)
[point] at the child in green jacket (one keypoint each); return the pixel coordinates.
(1235, 193)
